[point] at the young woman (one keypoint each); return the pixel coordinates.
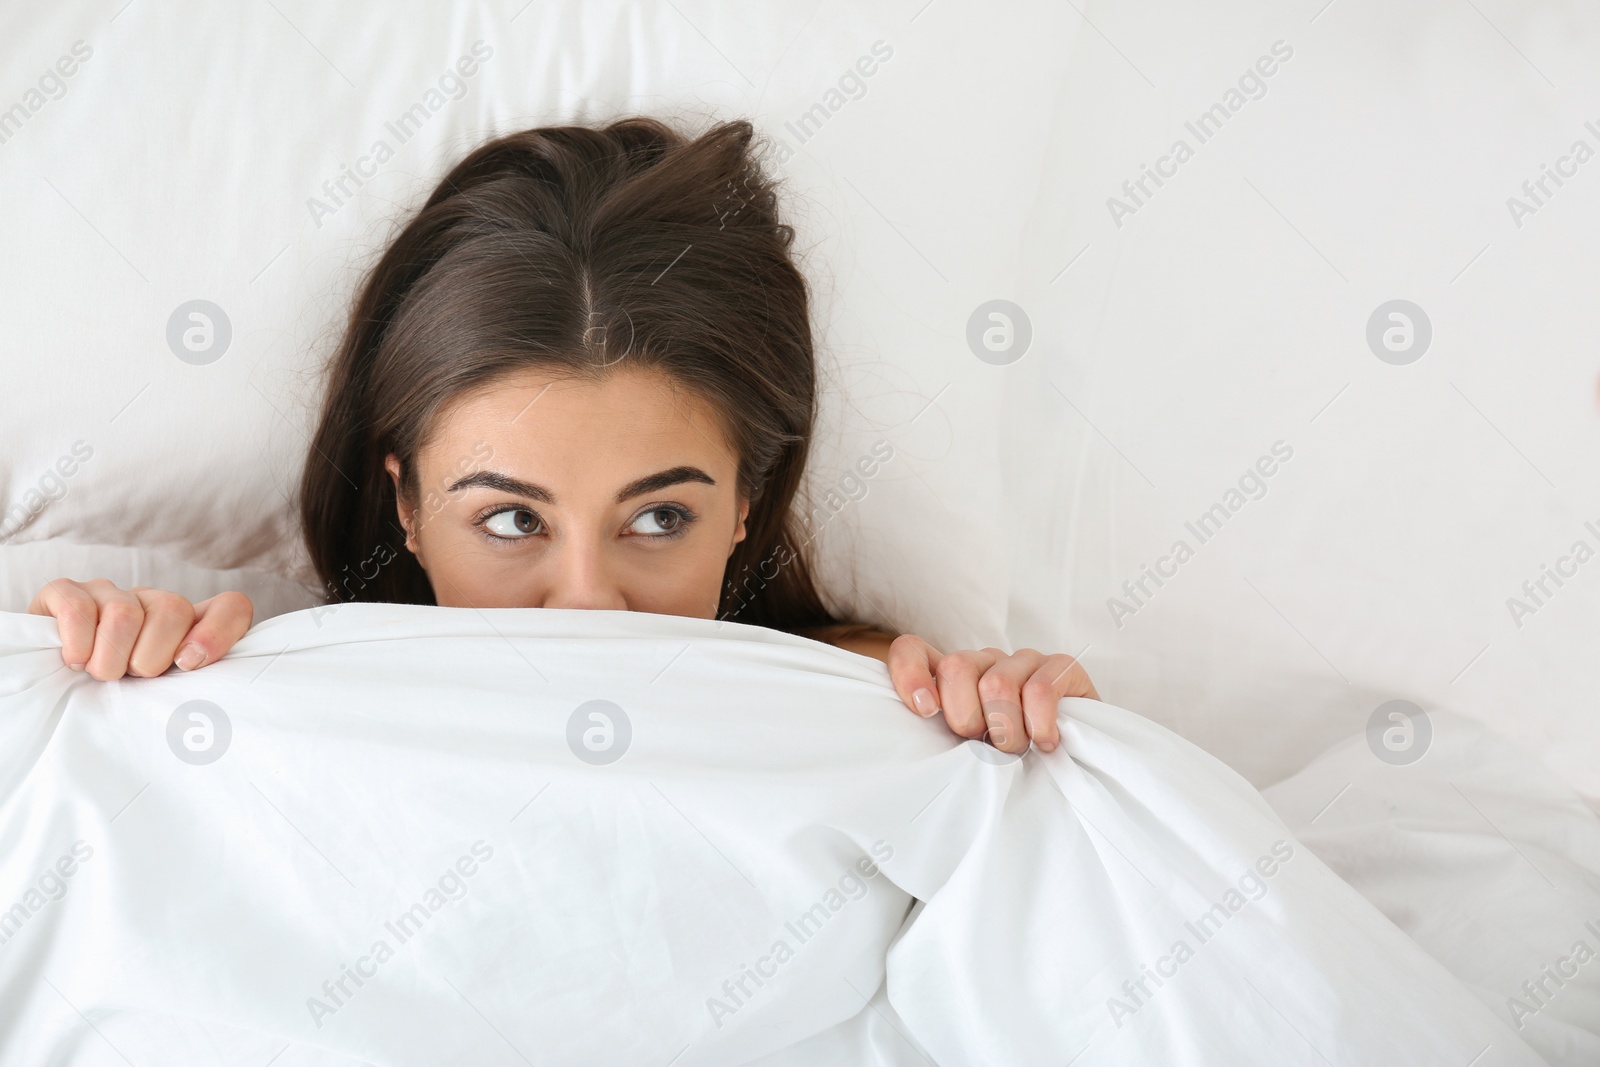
(581, 377)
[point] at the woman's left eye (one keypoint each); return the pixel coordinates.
(660, 522)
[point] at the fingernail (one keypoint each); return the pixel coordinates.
(75, 666)
(1045, 746)
(190, 657)
(925, 703)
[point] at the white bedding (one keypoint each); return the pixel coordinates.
(1484, 857)
(374, 762)
(1169, 353)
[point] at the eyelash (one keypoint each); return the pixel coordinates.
(500, 509)
(686, 517)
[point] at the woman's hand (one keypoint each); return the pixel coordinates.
(139, 631)
(1011, 695)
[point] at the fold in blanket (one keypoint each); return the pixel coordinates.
(404, 835)
(1481, 855)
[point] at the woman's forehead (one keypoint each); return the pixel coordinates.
(620, 421)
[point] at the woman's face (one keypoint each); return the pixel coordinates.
(540, 491)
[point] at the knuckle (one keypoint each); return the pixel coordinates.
(236, 602)
(75, 599)
(59, 587)
(122, 613)
(995, 687)
(1062, 664)
(169, 603)
(959, 664)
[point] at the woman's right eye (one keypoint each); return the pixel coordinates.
(513, 523)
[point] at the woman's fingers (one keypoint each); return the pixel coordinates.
(167, 618)
(1013, 697)
(1054, 677)
(76, 615)
(958, 674)
(110, 632)
(219, 623)
(1068, 677)
(1000, 694)
(98, 624)
(911, 664)
(121, 617)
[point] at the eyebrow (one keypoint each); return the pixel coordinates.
(650, 483)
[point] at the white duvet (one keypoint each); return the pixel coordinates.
(403, 835)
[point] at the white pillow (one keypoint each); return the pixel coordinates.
(1228, 312)
(228, 135)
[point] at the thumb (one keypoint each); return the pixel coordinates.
(912, 662)
(219, 623)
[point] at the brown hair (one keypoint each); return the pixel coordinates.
(577, 248)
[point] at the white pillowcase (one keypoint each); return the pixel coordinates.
(251, 177)
(186, 158)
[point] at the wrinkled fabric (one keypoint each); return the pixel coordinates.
(402, 835)
(1483, 856)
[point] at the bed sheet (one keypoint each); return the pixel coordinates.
(410, 835)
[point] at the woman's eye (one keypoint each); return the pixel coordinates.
(513, 523)
(658, 521)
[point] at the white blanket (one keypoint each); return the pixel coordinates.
(1482, 856)
(403, 835)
